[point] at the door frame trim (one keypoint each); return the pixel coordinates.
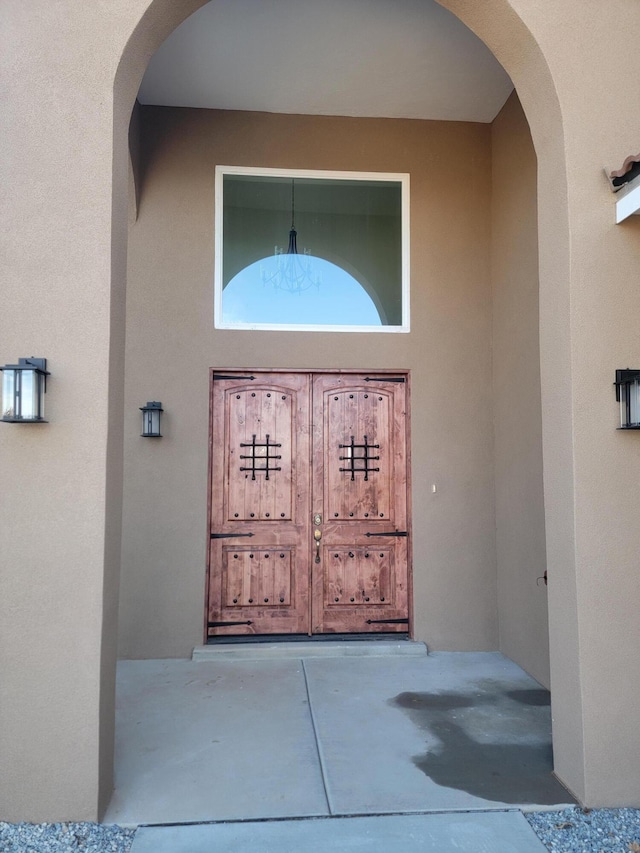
(310, 371)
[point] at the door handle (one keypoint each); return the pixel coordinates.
(317, 535)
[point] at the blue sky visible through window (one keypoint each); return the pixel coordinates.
(259, 294)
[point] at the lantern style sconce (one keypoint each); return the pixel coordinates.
(151, 420)
(23, 388)
(628, 395)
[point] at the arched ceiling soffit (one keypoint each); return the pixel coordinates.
(494, 22)
(497, 23)
(389, 59)
(157, 21)
(511, 39)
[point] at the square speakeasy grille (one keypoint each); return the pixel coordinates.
(359, 463)
(260, 452)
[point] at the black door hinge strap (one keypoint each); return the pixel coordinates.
(389, 533)
(229, 535)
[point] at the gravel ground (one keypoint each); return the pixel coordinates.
(576, 830)
(64, 838)
(572, 830)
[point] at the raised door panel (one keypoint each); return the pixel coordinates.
(260, 482)
(260, 449)
(357, 480)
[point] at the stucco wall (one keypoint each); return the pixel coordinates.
(520, 528)
(171, 343)
(66, 104)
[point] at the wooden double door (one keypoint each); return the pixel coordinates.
(309, 503)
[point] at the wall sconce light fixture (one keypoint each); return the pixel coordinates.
(151, 420)
(628, 395)
(23, 388)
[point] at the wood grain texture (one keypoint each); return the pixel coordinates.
(297, 421)
(249, 579)
(361, 580)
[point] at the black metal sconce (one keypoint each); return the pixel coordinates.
(23, 388)
(628, 395)
(151, 420)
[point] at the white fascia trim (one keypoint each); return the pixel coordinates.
(629, 203)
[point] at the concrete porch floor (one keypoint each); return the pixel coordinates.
(242, 740)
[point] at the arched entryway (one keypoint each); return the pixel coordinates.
(67, 112)
(191, 127)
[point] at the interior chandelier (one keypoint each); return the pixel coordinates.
(294, 272)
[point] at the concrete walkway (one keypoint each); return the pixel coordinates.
(317, 737)
(480, 832)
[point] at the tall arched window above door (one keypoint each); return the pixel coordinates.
(311, 250)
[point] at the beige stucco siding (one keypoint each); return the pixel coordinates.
(66, 108)
(171, 344)
(520, 529)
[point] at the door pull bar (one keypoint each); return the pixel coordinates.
(228, 624)
(383, 378)
(387, 621)
(229, 535)
(389, 533)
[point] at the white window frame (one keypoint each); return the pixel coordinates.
(401, 178)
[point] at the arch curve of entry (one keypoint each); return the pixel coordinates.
(509, 29)
(509, 33)
(514, 31)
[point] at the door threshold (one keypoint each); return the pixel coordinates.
(301, 649)
(253, 639)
